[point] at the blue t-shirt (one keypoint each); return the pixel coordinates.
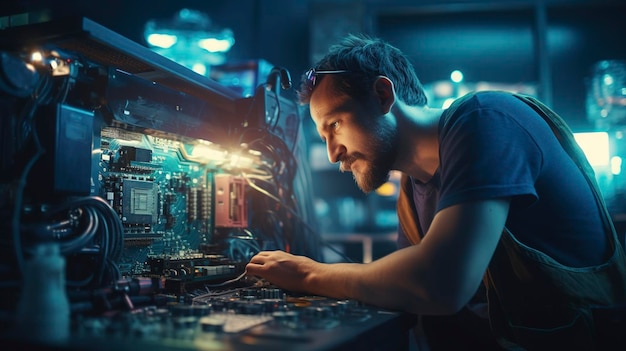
(494, 146)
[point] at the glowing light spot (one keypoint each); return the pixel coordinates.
(162, 40)
(387, 189)
(456, 76)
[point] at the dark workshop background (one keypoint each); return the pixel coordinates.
(549, 46)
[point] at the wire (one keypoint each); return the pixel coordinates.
(92, 220)
(277, 112)
(41, 95)
(19, 197)
(261, 190)
(227, 282)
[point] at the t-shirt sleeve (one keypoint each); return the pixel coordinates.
(486, 153)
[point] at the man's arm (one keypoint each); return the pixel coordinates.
(438, 276)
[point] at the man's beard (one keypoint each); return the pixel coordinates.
(379, 159)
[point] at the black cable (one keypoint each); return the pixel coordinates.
(99, 221)
(19, 197)
(277, 112)
(41, 95)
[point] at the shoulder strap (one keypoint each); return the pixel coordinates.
(407, 214)
(566, 138)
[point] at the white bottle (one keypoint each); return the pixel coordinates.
(43, 311)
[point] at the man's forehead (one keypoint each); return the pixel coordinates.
(325, 100)
(320, 91)
(321, 100)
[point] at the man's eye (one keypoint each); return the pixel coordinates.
(334, 125)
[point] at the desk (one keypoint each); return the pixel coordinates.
(243, 319)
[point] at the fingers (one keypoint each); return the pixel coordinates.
(258, 259)
(252, 270)
(269, 253)
(263, 256)
(254, 266)
(257, 264)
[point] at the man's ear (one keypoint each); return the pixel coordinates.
(385, 92)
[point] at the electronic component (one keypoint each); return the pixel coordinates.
(164, 201)
(135, 200)
(187, 273)
(66, 135)
(246, 318)
(230, 201)
(139, 202)
(143, 172)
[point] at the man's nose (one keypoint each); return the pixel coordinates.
(335, 151)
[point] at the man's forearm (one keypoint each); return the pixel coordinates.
(395, 282)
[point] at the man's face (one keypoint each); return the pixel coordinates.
(356, 135)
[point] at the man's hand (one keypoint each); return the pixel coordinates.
(286, 271)
(438, 276)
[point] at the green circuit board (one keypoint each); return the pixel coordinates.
(162, 196)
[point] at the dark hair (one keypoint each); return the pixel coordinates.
(365, 58)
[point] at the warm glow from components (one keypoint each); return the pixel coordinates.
(205, 152)
(595, 145)
(238, 161)
(616, 165)
(387, 189)
(36, 57)
(215, 45)
(208, 153)
(162, 40)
